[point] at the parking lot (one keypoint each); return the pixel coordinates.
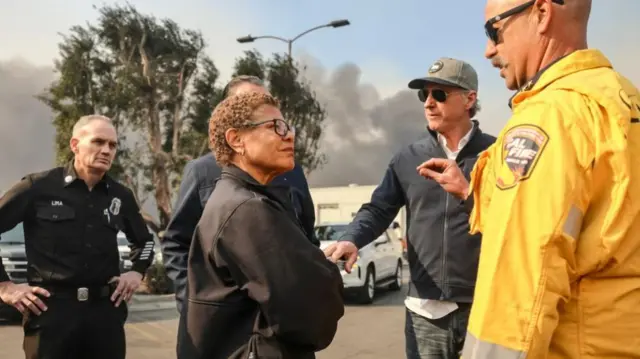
(374, 331)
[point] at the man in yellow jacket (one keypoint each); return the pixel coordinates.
(557, 197)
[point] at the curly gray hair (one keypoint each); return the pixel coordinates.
(234, 112)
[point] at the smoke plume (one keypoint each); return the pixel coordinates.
(26, 132)
(362, 130)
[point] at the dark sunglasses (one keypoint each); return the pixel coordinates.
(492, 32)
(438, 94)
(280, 127)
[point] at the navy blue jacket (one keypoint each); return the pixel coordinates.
(198, 181)
(443, 256)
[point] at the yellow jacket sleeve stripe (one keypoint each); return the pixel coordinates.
(475, 348)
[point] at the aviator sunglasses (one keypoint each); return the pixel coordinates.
(438, 94)
(280, 127)
(492, 32)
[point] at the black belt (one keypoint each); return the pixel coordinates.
(81, 294)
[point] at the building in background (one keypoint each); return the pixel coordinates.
(340, 204)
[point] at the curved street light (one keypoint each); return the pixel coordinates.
(289, 42)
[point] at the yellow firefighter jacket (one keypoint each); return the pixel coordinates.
(557, 199)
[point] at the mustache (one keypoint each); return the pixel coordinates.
(498, 62)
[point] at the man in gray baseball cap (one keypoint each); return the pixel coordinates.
(436, 322)
(442, 255)
(449, 72)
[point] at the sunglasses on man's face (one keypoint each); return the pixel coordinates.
(438, 94)
(280, 127)
(492, 32)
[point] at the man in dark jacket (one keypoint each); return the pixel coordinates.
(198, 182)
(443, 256)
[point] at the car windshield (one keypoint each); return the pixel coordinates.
(14, 236)
(330, 232)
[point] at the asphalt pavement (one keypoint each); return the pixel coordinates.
(374, 331)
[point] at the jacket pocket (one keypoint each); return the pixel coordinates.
(216, 329)
(56, 224)
(55, 214)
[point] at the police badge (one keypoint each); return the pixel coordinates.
(114, 208)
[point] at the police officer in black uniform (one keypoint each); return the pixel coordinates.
(74, 304)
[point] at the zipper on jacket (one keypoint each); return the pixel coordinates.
(443, 154)
(444, 245)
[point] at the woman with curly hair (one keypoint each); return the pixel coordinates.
(257, 288)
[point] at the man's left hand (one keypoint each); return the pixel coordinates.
(447, 174)
(128, 283)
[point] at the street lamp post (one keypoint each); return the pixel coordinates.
(289, 42)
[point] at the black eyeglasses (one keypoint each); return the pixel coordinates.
(492, 32)
(280, 127)
(438, 94)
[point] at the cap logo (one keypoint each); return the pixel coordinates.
(437, 66)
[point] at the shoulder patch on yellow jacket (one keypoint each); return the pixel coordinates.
(521, 149)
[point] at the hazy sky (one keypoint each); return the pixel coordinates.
(357, 70)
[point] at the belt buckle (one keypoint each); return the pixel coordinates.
(83, 294)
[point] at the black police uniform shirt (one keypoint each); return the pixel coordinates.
(71, 231)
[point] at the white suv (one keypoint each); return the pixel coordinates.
(379, 263)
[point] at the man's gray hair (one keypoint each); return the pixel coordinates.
(85, 120)
(475, 109)
(230, 88)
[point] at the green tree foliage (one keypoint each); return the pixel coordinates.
(298, 102)
(153, 79)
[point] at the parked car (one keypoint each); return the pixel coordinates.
(379, 263)
(402, 238)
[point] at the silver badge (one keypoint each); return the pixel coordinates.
(437, 66)
(114, 208)
(68, 179)
(83, 294)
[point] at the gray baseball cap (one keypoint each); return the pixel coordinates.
(449, 72)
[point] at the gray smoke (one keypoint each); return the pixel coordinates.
(361, 135)
(26, 132)
(362, 130)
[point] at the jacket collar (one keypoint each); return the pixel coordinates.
(475, 129)
(69, 176)
(431, 140)
(463, 141)
(474, 123)
(280, 194)
(241, 175)
(576, 61)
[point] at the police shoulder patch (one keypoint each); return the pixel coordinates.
(522, 147)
